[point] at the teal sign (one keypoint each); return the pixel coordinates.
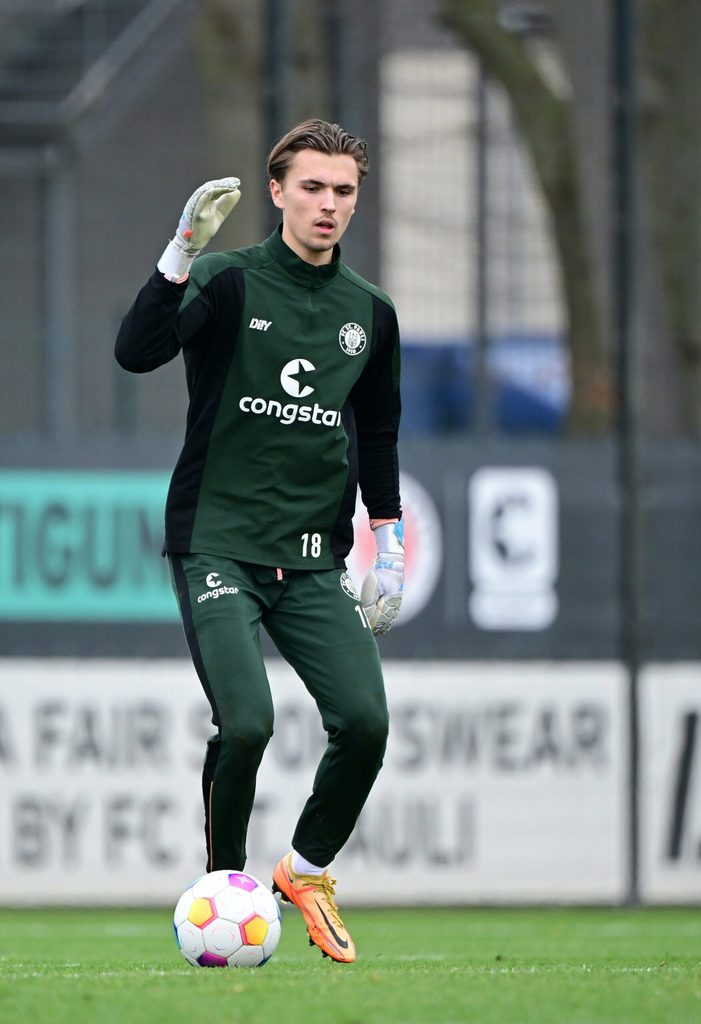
(83, 546)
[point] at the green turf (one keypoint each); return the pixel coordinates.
(546, 966)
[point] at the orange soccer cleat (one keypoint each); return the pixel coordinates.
(314, 896)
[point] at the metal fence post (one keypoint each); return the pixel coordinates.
(624, 225)
(59, 390)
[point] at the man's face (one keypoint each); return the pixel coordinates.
(317, 197)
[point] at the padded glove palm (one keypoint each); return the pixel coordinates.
(204, 213)
(382, 589)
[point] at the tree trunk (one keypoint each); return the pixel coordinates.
(671, 152)
(544, 121)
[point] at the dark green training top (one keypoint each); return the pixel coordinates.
(293, 377)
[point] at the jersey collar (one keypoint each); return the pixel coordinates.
(302, 272)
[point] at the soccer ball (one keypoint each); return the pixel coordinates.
(227, 919)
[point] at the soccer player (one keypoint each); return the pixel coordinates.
(292, 365)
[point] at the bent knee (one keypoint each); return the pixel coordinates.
(368, 728)
(252, 736)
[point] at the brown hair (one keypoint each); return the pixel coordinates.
(322, 137)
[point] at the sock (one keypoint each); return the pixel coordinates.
(304, 867)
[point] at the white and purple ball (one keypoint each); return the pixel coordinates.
(227, 919)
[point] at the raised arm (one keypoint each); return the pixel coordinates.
(150, 334)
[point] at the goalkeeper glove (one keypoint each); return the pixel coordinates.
(381, 592)
(204, 213)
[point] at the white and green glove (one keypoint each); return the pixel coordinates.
(381, 592)
(204, 213)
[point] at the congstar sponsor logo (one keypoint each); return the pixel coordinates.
(294, 379)
(216, 590)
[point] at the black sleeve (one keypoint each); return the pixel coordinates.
(152, 333)
(377, 406)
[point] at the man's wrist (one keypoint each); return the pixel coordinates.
(175, 263)
(389, 537)
(374, 523)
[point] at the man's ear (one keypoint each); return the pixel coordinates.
(276, 193)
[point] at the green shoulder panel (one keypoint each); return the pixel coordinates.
(207, 267)
(356, 279)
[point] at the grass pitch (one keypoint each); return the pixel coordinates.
(488, 966)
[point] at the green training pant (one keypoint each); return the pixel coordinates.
(317, 624)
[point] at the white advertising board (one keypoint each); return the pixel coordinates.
(502, 782)
(670, 783)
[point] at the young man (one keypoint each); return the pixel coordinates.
(292, 365)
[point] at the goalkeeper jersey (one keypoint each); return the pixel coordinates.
(293, 381)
